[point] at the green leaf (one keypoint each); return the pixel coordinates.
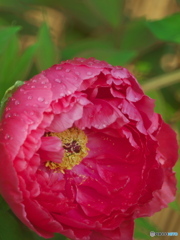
(3, 205)
(161, 106)
(79, 11)
(145, 224)
(177, 170)
(174, 205)
(46, 52)
(108, 11)
(6, 35)
(84, 45)
(8, 94)
(112, 56)
(25, 62)
(166, 29)
(8, 59)
(136, 36)
(10, 227)
(141, 235)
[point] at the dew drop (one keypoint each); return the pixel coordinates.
(58, 68)
(77, 73)
(46, 102)
(40, 99)
(31, 113)
(68, 70)
(89, 73)
(21, 90)
(16, 102)
(45, 86)
(30, 97)
(57, 80)
(7, 136)
(33, 86)
(8, 115)
(7, 109)
(34, 80)
(43, 82)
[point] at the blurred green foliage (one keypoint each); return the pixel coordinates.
(35, 34)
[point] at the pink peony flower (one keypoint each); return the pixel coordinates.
(83, 153)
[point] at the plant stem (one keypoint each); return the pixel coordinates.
(162, 81)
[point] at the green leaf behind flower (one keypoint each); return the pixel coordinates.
(46, 52)
(8, 94)
(143, 228)
(10, 227)
(112, 56)
(166, 29)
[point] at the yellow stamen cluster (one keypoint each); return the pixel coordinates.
(74, 143)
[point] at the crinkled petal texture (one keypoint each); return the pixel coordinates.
(126, 174)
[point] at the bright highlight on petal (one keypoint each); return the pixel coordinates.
(74, 142)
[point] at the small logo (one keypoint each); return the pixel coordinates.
(152, 234)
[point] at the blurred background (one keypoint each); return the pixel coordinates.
(143, 36)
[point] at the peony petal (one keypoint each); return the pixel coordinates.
(167, 141)
(51, 149)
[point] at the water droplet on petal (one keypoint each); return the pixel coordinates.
(31, 113)
(43, 82)
(7, 109)
(46, 102)
(34, 80)
(7, 136)
(30, 97)
(58, 68)
(8, 115)
(89, 73)
(33, 86)
(57, 80)
(45, 86)
(68, 70)
(16, 102)
(77, 73)
(40, 99)
(21, 90)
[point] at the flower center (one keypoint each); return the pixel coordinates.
(74, 143)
